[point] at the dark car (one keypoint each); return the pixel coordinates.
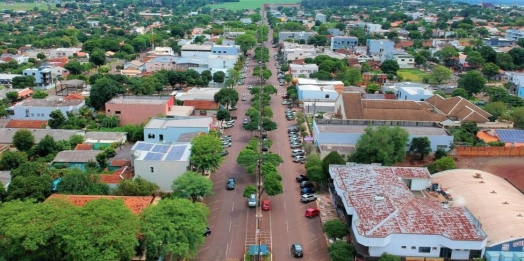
(230, 184)
(265, 148)
(296, 250)
(224, 153)
(208, 232)
(307, 191)
(292, 130)
(301, 178)
(306, 184)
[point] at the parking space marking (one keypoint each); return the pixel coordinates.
(203, 248)
(230, 223)
(232, 207)
(213, 209)
(227, 249)
(212, 217)
(312, 241)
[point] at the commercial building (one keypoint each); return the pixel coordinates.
(343, 42)
(411, 91)
(514, 34)
(40, 109)
(137, 109)
(297, 70)
(170, 130)
(295, 36)
(195, 50)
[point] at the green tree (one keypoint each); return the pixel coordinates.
(372, 88)
(341, 251)
(388, 257)
(174, 227)
(504, 61)
(97, 57)
(490, 70)
(247, 157)
(30, 187)
(219, 77)
(459, 92)
(389, 67)
(335, 229)
(518, 118)
(246, 42)
(448, 55)
(382, 144)
(103, 90)
(23, 140)
(74, 67)
(40, 56)
(267, 112)
(12, 159)
(12, 96)
(77, 182)
(445, 163)
(40, 94)
(205, 152)
(441, 74)
(135, 187)
(46, 146)
(192, 185)
(223, 114)
(20, 82)
(56, 119)
(420, 146)
(496, 109)
(473, 82)
(249, 190)
(227, 97)
(332, 158)
(475, 59)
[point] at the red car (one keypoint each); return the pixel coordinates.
(266, 205)
(312, 212)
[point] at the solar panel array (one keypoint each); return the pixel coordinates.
(160, 148)
(510, 136)
(158, 151)
(176, 152)
(144, 146)
(154, 156)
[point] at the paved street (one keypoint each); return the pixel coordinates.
(233, 224)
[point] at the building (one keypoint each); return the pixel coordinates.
(196, 94)
(343, 42)
(6, 78)
(497, 204)
(333, 85)
(195, 50)
(125, 108)
(75, 158)
(161, 51)
(405, 61)
(203, 107)
(98, 139)
(160, 164)
(497, 42)
(379, 47)
(458, 109)
(161, 63)
(225, 49)
(387, 211)
(514, 35)
(412, 91)
(222, 61)
(371, 28)
(63, 52)
(93, 23)
(136, 204)
(43, 77)
(295, 36)
(40, 109)
(171, 130)
(295, 51)
(246, 21)
(335, 32)
(321, 17)
(316, 93)
(302, 69)
(7, 134)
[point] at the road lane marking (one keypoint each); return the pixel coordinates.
(202, 249)
(213, 209)
(270, 232)
(232, 207)
(227, 248)
(230, 223)
(285, 209)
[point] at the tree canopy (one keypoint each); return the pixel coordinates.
(192, 185)
(386, 145)
(205, 152)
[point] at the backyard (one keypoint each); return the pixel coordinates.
(250, 4)
(413, 75)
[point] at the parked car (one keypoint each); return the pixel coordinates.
(295, 130)
(266, 205)
(224, 153)
(208, 232)
(252, 201)
(286, 102)
(290, 118)
(298, 152)
(265, 148)
(249, 87)
(306, 184)
(233, 108)
(230, 184)
(294, 140)
(299, 159)
(246, 121)
(308, 198)
(243, 97)
(226, 145)
(301, 178)
(296, 250)
(307, 191)
(296, 145)
(312, 212)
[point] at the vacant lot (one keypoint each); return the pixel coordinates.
(412, 75)
(250, 4)
(26, 6)
(511, 168)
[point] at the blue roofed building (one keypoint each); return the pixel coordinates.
(380, 47)
(43, 77)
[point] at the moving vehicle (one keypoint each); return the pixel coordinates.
(296, 250)
(301, 178)
(308, 198)
(208, 232)
(252, 201)
(230, 184)
(244, 98)
(266, 205)
(312, 212)
(306, 184)
(249, 87)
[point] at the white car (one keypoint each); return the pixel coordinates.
(286, 102)
(308, 198)
(297, 151)
(249, 87)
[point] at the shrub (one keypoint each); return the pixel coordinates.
(440, 153)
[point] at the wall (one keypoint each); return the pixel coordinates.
(317, 94)
(490, 151)
(418, 184)
(171, 135)
(164, 172)
(515, 245)
(218, 62)
(40, 113)
(129, 114)
(218, 49)
(157, 66)
(201, 54)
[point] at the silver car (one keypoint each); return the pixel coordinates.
(308, 198)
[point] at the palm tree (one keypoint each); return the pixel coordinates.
(110, 121)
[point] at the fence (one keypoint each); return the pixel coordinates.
(490, 151)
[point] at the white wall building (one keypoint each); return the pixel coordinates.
(160, 163)
(405, 60)
(320, 17)
(40, 109)
(294, 51)
(302, 69)
(195, 50)
(222, 61)
(412, 91)
(63, 52)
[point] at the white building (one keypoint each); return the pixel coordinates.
(294, 51)
(162, 51)
(63, 52)
(222, 61)
(195, 50)
(320, 17)
(302, 69)
(412, 91)
(159, 163)
(405, 60)
(40, 109)
(388, 212)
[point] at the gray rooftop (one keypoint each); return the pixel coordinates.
(5, 177)
(359, 129)
(6, 135)
(187, 137)
(158, 100)
(67, 156)
(98, 135)
(49, 102)
(179, 122)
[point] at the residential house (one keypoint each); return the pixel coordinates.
(161, 51)
(379, 47)
(514, 34)
(159, 163)
(369, 77)
(405, 60)
(7, 134)
(316, 93)
(40, 109)
(371, 28)
(75, 158)
(194, 50)
(335, 32)
(225, 49)
(295, 36)
(125, 108)
(343, 42)
(171, 130)
(63, 52)
(136, 204)
(24, 124)
(43, 77)
(497, 42)
(414, 15)
(246, 21)
(18, 58)
(411, 91)
(517, 81)
(203, 107)
(386, 214)
(160, 63)
(93, 23)
(138, 30)
(196, 94)
(321, 17)
(59, 72)
(100, 140)
(134, 65)
(6, 78)
(302, 69)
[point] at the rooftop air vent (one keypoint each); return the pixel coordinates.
(379, 197)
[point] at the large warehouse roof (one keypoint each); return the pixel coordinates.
(495, 202)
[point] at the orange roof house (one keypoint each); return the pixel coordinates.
(25, 124)
(84, 146)
(135, 204)
(206, 105)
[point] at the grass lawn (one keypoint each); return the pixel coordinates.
(250, 4)
(26, 6)
(412, 75)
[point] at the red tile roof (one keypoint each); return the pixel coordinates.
(74, 96)
(135, 204)
(84, 146)
(25, 124)
(119, 163)
(202, 104)
(125, 172)
(24, 92)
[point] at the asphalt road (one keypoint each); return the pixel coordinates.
(232, 223)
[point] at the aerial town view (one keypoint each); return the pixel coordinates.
(261, 130)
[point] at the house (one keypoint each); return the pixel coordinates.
(136, 204)
(302, 69)
(43, 77)
(161, 51)
(59, 72)
(93, 23)
(371, 28)
(194, 50)
(316, 93)
(125, 108)
(511, 138)
(159, 163)
(40, 109)
(138, 30)
(203, 107)
(497, 42)
(246, 21)
(134, 65)
(99, 139)
(160, 63)
(18, 58)
(514, 35)
(225, 49)
(458, 109)
(405, 60)
(295, 36)
(196, 63)
(387, 214)
(6, 78)
(75, 158)
(411, 91)
(25, 124)
(343, 42)
(6, 134)
(369, 77)
(170, 130)
(222, 61)
(196, 94)
(321, 17)
(335, 32)
(295, 51)
(379, 47)
(332, 85)
(63, 52)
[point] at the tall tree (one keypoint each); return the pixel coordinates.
(103, 90)
(332, 158)
(77, 182)
(473, 82)
(97, 57)
(30, 187)
(381, 144)
(341, 251)
(219, 77)
(420, 146)
(441, 74)
(135, 187)
(448, 55)
(12, 159)
(389, 67)
(335, 229)
(490, 70)
(74, 67)
(205, 152)
(23, 140)
(192, 185)
(174, 227)
(246, 42)
(56, 119)
(227, 97)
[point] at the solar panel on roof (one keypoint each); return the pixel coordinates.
(176, 153)
(158, 156)
(149, 156)
(139, 146)
(511, 136)
(147, 147)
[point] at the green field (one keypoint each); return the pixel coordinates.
(412, 75)
(250, 4)
(25, 6)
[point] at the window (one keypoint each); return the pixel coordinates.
(327, 96)
(161, 137)
(403, 247)
(401, 60)
(424, 249)
(108, 110)
(413, 247)
(32, 115)
(151, 136)
(118, 112)
(152, 169)
(434, 248)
